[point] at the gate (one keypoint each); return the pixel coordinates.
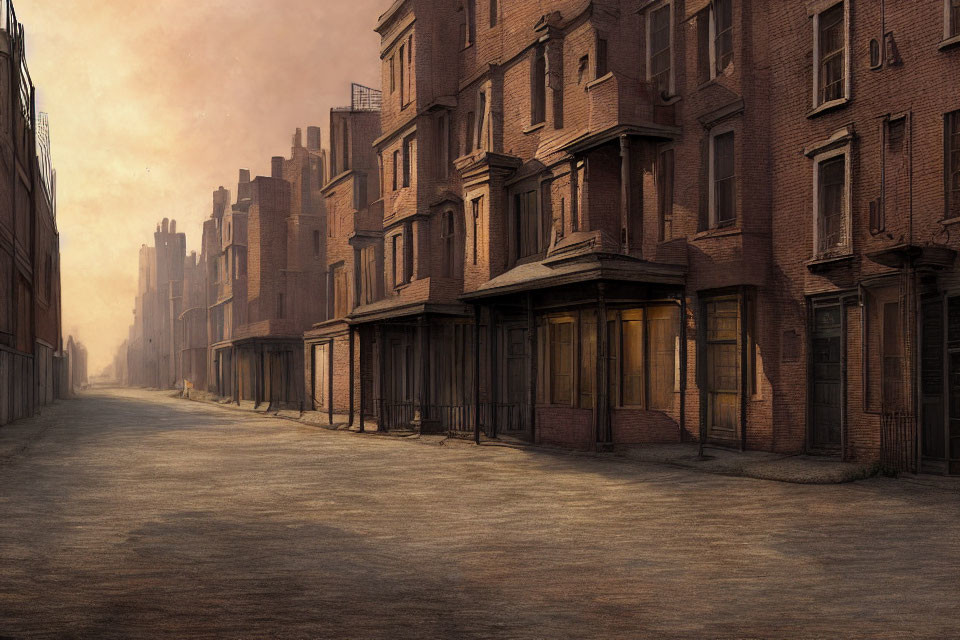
(898, 441)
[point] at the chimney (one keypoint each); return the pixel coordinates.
(244, 175)
(313, 138)
(173, 227)
(165, 226)
(276, 167)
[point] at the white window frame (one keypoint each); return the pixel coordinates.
(673, 54)
(815, 10)
(719, 130)
(818, 159)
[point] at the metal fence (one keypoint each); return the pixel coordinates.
(898, 442)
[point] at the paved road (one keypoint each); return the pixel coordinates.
(128, 514)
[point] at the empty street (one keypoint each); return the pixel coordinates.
(132, 514)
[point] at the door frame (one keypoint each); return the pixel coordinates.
(844, 299)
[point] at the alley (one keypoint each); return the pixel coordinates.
(133, 514)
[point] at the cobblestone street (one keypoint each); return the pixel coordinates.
(132, 514)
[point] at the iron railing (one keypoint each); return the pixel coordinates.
(898, 442)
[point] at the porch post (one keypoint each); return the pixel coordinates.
(626, 193)
(381, 364)
(423, 397)
(532, 372)
(743, 368)
(494, 370)
(603, 431)
(328, 365)
(476, 373)
(363, 395)
(352, 374)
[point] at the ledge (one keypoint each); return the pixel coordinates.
(949, 221)
(721, 232)
(534, 127)
(949, 43)
(828, 106)
(827, 262)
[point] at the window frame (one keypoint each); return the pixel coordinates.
(713, 222)
(951, 29)
(671, 73)
(715, 70)
(817, 12)
(818, 159)
(951, 136)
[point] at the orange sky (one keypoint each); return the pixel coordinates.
(153, 105)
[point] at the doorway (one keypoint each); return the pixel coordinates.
(827, 380)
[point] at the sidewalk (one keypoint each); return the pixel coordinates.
(763, 465)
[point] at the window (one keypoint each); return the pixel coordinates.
(952, 163)
(561, 361)
(477, 203)
(528, 224)
(538, 86)
(659, 46)
(723, 34)
(403, 76)
(397, 255)
(345, 146)
(494, 12)
(407, 160)
(316, 243)
(951, 19)
(723, 196)
(470, 23)
(340, 291)
(393, 73)
(831, 222)
(482, 119)
(368, 274)
(360, 191)
(601, 57)
(468, 135)
(408, 88)
(443, 145)
(830, 52)
(396, 169)
(382, 183)
(448, 244)
(665, 193)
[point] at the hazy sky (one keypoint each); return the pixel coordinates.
(153, 105)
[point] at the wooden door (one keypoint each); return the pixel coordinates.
(827, 391)
(723, 368)
(516, 365)
(321, 372)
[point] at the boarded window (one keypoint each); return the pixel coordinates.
(527, 224)
(631, 337)
(538, 83)
(662, 341)
(831, 42)
(831, 232)
(660, 49)
(561, 362)
(724, 180)
(665, 193)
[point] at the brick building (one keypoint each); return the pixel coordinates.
(266, 275)
(33, 369)
(191, 326)
(352, 250)
(632, 222)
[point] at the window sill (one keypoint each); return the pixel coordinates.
(828, 106)
(534, 127)
(599, 80)
(949, 43)
(826, 262)
(949, 221)
(718, 233)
